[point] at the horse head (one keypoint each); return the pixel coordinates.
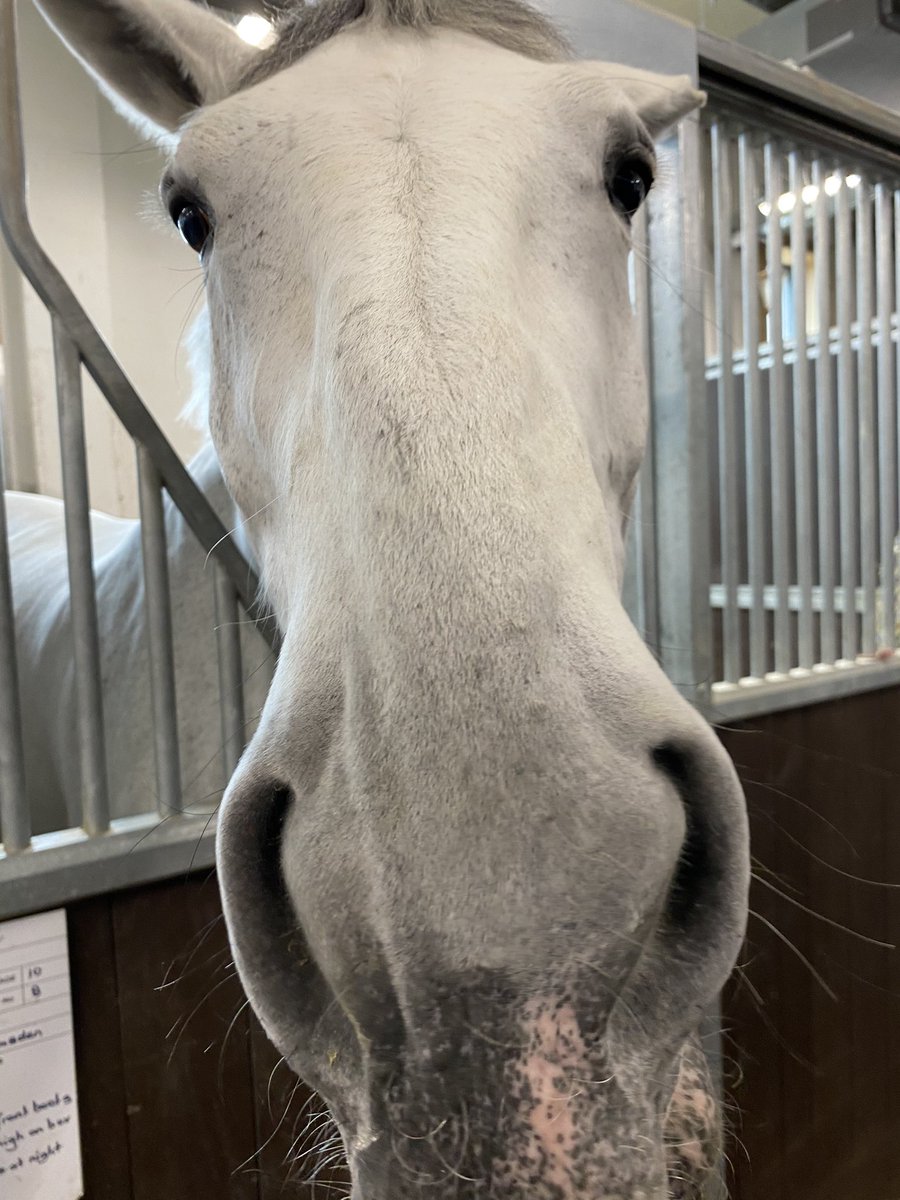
(483, 868)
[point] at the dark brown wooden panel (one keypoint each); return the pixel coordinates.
(814, 1044)
(98, 1052)
(181, 1093)
(185, 1039)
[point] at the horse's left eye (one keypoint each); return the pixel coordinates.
(629, 186)
(193, 225)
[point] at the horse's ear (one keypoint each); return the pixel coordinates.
(661, 100)
(159, 60)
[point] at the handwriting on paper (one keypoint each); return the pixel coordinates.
(40, 1155)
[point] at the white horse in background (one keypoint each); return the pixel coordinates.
(46, 670)
(483, 869)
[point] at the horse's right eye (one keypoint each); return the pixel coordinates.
(193, 224)
(630, 185)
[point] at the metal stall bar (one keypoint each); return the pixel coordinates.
(868, 482)
(231, 676)
(83, 598)
(848, 445)
(886, 634)
(755, 428)
(804, 450)
(640, 585)
(825, 417)
(159, 636)
(681, 425)
(646, 498)
(15, 820)
(729, 490)
(779, 414)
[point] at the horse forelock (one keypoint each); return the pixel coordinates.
(513, 24)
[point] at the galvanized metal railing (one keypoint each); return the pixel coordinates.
(802, 374)
(778, 536)
(103, 853)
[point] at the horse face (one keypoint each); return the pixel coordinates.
(483, 868)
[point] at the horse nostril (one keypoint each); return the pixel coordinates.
(274, 800)
(250, 834)
(696, 872)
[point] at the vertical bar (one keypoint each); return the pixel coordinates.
(848, 442)
(779, 414)
(646, 497)
(755, 433)
(15, 820)
(887, 416)
(159, 637)
(681, 428)
(729, 497)
(825, 418)
(897, 365)
(868, 482)
(231, 677)
(804, 450)
(19, 449)
(85, 635)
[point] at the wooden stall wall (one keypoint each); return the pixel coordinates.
(812, 1016)
(182, 1096)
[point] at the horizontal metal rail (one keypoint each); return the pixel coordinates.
(803, 107)
(795, 597)
(736, 702)
(67, 866)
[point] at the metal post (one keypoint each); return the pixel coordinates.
(681, 445)
(159, 637)
(848, 445)
(645, 501)
(231, 676)
(729, 492)
(779, 414)
(825, 418)
(15, 822)
(755, 429)
(868, 483)
(804, 448)
(887, 416)
(85, 633)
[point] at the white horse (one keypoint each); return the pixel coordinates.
(483, 869)
(44, 643)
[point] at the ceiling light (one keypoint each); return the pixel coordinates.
(787, 202)
(255, 30)
(765, 208)
(832, 185)
(809, 194)
(853, 180)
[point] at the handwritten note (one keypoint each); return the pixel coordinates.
(40, 1154)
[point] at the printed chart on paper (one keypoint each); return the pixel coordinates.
(40, 1154)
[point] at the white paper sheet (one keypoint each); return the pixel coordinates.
(40, 1152)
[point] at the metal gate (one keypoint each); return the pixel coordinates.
(104, 853)
(769, 538)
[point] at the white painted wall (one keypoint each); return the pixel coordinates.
(89, 177)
